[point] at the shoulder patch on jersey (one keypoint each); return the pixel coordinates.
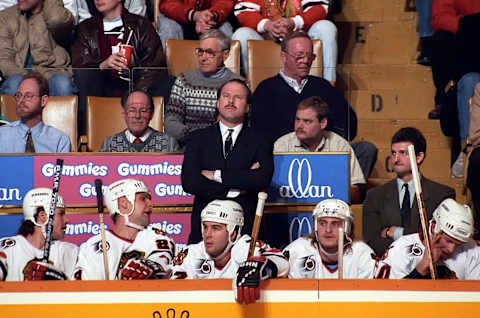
(158, 231)
(286, 254)
(415, 250)
(204, 267)
(8, 242)
(178, 260)
(97, 247)
(309, 263)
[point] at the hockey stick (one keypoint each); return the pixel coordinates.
(98, 188)
(262, 196)
(51, 213)
(340, 252)
(421, 209)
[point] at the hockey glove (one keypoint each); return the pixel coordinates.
(36, 270)
(141, 269)
(248, 278)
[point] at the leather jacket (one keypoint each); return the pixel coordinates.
(148, 52)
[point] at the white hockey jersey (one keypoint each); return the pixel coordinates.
(403, 255)
(195, 263)
(151, 243)
(16, 252)
(305, 261)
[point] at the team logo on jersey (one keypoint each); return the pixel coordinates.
(178, 260)
(286, 254)
(205, 267)
(309, 263)
(97, 247)
(415, 250)
(8, 242)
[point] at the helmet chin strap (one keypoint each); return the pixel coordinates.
(132, 225)
(227, 248)
(320, 247)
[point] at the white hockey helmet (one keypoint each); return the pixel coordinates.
(454, 219)
(225, 212)
(123, 188)
(39, 198)
(334, 208)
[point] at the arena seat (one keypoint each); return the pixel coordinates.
(181, 56)
(104, 118)
(60, 112)
(264, 60)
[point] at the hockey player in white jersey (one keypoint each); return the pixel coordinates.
(316, 255)
(223, 252)
(454, 253)
(135, 250)
(21, 255)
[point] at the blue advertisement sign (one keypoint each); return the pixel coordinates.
(16, 178)
(311, 177)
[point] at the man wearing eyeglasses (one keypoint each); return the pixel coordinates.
(275, 100)
(137, 109)
(193, 97)
(30, 134)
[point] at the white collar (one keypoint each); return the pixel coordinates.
(131, 137)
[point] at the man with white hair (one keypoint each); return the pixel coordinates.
(454, 253)
(223, 252)
(316, 255)
(21, 255)
(134, 250)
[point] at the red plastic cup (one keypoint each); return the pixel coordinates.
(126, 50)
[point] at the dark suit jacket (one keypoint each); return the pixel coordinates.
(382, 208)
(205, 152)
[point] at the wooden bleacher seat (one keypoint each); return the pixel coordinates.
(60, 112)
(264, 60)
(104, 119)
(181, 56)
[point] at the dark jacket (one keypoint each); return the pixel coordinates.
(382, 208)
(148, 52)
(205, 152)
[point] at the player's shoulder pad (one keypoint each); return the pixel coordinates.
(156, 231)
(7, 242)
(178, 260)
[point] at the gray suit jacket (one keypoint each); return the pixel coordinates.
(382, 209)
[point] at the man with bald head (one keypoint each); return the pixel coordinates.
(137, 109)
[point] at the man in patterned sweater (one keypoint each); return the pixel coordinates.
(193, 98)
(137, 109)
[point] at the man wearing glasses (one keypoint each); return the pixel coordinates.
(137, 109)
(193, 98)
(30, 134)
(275, 100)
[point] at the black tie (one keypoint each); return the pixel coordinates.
(406, 210)
(29, 147)
(228, 144)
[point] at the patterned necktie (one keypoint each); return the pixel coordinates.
(29, 147)
(406, 210)
(228, 144)
(137, 141)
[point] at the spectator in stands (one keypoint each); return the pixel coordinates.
(473, 170)
(267, 19)
(193, 98)
(390, 210)
(188, 19)
(137, 109)
(445, 21)
(30, 134)
(310, 135)
(78, 8)
(97, 46)
(28, 34)
(275, 100)
(425, 31)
